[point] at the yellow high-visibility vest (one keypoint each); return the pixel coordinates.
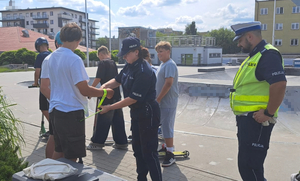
(250, 94)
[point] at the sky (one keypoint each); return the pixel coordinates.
(175, 14)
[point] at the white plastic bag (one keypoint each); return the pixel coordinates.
(49, 169)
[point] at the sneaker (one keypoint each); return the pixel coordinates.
(120, 146)
(95, 146)
(168, 160)
(295, 177)
(163, 148)
(45, 135)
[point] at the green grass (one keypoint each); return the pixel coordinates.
(5, 69)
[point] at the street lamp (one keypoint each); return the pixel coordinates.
(274, 25)
(109, 29)
(86, 36)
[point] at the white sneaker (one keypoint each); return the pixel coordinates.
(295, 177)
(95, 146)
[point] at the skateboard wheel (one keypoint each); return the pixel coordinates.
(186, 154)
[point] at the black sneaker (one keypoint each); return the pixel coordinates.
(168, 160)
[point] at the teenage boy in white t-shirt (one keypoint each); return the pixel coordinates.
(68, 95)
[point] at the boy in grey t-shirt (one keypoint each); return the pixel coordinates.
(167, 97)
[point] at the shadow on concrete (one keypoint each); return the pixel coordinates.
(173, 172)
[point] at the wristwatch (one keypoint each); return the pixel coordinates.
(267, 113)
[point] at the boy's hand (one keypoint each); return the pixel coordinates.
(110, 93)
(105, 109)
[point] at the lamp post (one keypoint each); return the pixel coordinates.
(86, 36)
(109, 29)
(274, 25)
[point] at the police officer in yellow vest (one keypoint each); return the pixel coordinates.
(258, 90)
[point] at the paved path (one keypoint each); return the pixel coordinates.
(204, 125)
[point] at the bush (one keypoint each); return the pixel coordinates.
(7, 57)
(10, 139)
(80, 53)
(24, 56)
(114, 55)
(93, 56)
(9, 161)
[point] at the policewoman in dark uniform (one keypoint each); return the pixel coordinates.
(138, 82)
(258, 90)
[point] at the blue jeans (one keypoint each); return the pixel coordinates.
(115, 119)
(254, 139)
(144, 125)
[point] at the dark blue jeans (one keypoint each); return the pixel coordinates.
(115, 119)
(254, 142)
(144, 125)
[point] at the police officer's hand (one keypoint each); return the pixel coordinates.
(105, 109)
(260, 117)
(35, 85)
(110, 93)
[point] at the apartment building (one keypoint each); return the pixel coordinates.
(49, 21)
(287, 19)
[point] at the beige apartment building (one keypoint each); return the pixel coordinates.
(287, 19)
(49, 21)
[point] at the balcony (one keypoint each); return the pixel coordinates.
(94, 27)
(83, 28)
(65, 16)
(40, 25)
(82, 20)
(94, 32)
(44, 16)
(15, 18)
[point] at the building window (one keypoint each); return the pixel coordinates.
(294, 42)
(51, 21)
(76, 16)
(31, 22)
(279, 26)
(51, 30)
(32, 29)
(263, 11)
(296, 9)
(279, 10)
(214, 55)
(31, 14)
(278, 42)
(38, 14)
(295, 26)
(264, 27)
(27, 14)
(8, 23)
(51, 13)
(27, 22)
(39, 30)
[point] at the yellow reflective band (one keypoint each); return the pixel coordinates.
(251, 98)
(249, 108)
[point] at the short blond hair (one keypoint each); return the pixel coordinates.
(164, 45)
(103, 49)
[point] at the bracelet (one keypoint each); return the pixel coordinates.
(103, 97)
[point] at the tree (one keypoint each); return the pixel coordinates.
(7, 57)
(93, 56)
(102, 41)
(114, 55)
(224, 39)
(190, 29)
(80, 53)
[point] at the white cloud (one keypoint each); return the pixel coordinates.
(190, 1)
(188, 19)
(231, 12)
(159, 3)
(133, 11)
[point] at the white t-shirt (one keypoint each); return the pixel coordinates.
(65, 69)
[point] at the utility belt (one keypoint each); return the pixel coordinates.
(272, 120)
(139, 105)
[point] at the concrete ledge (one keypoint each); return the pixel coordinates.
(211, 69)
(292, 71)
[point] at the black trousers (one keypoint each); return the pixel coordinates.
(253, 139)
(144, 126)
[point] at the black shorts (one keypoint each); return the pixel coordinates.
(50, 123)
(69, 133)
(44, 104)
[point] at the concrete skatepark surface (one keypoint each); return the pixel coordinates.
(205, 126)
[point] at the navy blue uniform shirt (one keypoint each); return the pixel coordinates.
(138, 81)
(269, 67)
(40, 58)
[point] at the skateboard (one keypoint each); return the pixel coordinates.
(185, 153)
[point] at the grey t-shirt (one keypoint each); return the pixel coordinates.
(167, 70)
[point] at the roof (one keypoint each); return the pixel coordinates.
(2, 11)
(12, 39)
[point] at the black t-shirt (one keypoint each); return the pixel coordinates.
(269, 67)
(138, 81)
(107, 70)
(39, 60)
